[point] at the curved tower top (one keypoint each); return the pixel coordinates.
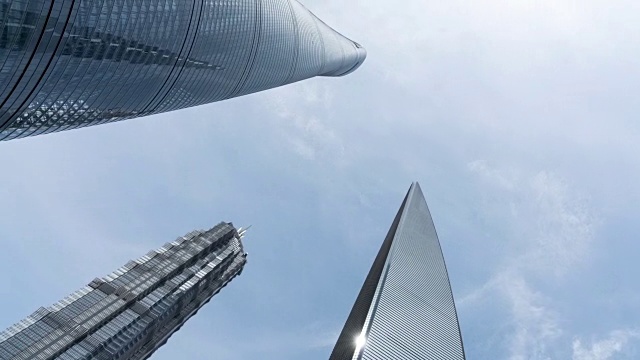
(67, 64)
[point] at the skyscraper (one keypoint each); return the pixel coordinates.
(66, 64)
(405, 309)
(133, 311)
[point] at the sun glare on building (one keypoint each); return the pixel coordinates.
(360, 341)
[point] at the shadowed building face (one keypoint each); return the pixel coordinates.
(405, 309)
(74, 63)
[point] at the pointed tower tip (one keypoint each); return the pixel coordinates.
(243, 231)
(416, 189)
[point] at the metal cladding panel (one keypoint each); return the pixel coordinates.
(414, 315)
(66, 64)
(411, 314)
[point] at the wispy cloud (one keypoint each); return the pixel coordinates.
(550, 230)
(303, 111)
(534, 324)
(550, 227)
(604, 349)
(564, 226)
(501, 178)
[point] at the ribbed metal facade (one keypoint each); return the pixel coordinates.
(411, 314)
(66, 64)
(134, 310)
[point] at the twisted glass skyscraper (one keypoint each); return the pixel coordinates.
(405, 309)
(130, 313)
(66, 64)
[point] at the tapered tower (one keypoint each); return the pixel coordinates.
(405, 309)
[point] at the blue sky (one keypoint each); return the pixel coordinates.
(515, 117)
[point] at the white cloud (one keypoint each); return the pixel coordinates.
(548, 233)
(534, 324)
(550, 226)
(565, 226)
(500, 178)
(604, 349)
(304, 111)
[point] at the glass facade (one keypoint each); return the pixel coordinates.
(405, 310)
(66, 64)
(134, 310)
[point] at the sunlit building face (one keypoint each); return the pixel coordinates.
(67, 64)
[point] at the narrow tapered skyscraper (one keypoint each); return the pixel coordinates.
(405, 309)
(130, 313)
(66, 64)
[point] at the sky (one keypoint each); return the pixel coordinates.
(515, 117)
